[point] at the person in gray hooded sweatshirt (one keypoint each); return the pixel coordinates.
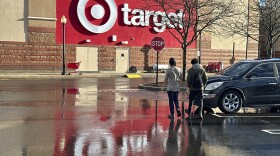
(172, 76)
(196, 93)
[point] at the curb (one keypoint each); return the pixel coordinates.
(59, 76)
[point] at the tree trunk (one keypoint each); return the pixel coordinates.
(184, 48)
(270, 47)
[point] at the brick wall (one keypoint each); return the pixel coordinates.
(41, 35)
(107, 58)
(144, 58)
(265, 54)
(33, 56)
(40, 56)
(39, 53)
(42, 53)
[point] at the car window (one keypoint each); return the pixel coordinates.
(264, 70)
(237, 69)
(278, 67)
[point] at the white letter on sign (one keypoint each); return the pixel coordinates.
(157, 43)
(126, 10)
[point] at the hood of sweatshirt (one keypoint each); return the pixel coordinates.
(197, 66)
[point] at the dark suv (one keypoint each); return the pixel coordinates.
(247, 83)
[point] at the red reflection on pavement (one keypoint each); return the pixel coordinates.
(141, 130)
(64, 133)
(104, 118)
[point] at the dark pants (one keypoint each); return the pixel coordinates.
(195, 97)
(173, 99)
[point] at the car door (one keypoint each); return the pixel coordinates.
(262, 87)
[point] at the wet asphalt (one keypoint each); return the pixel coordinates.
(111, 116)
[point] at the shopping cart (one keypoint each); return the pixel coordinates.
(214, 67)
(74, 68)
(73, 91)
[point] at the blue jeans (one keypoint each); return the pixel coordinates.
(173, 99)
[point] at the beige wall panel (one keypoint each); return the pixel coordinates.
(12, 23)
(42, 9)
(93, 59)
(42, 23)
(226, 42)
(81, 56)
(218, 42)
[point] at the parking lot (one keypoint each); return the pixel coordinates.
(111, 116)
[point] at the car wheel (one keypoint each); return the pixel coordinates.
(230, 102)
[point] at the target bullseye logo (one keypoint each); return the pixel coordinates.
(97, 11)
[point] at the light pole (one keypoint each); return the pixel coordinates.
(63, 21)
(262, 5)
(247, 31)
(199, 49)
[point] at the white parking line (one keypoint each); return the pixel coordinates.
(272, 131)
(219, 116)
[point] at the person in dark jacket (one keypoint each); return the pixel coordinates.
(196, 94)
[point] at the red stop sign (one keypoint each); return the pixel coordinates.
(157, 43)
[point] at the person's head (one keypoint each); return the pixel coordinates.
(194, 61)
(172, 61)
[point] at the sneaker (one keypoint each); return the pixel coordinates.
(171, 116)
(178, 113)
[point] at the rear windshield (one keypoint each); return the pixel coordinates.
(237, 69)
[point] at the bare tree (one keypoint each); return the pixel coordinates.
(262, 23)
(193, 18)
(270, 23)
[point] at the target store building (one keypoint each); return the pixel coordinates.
(110, 35)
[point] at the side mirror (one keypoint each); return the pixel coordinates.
(252, 74)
